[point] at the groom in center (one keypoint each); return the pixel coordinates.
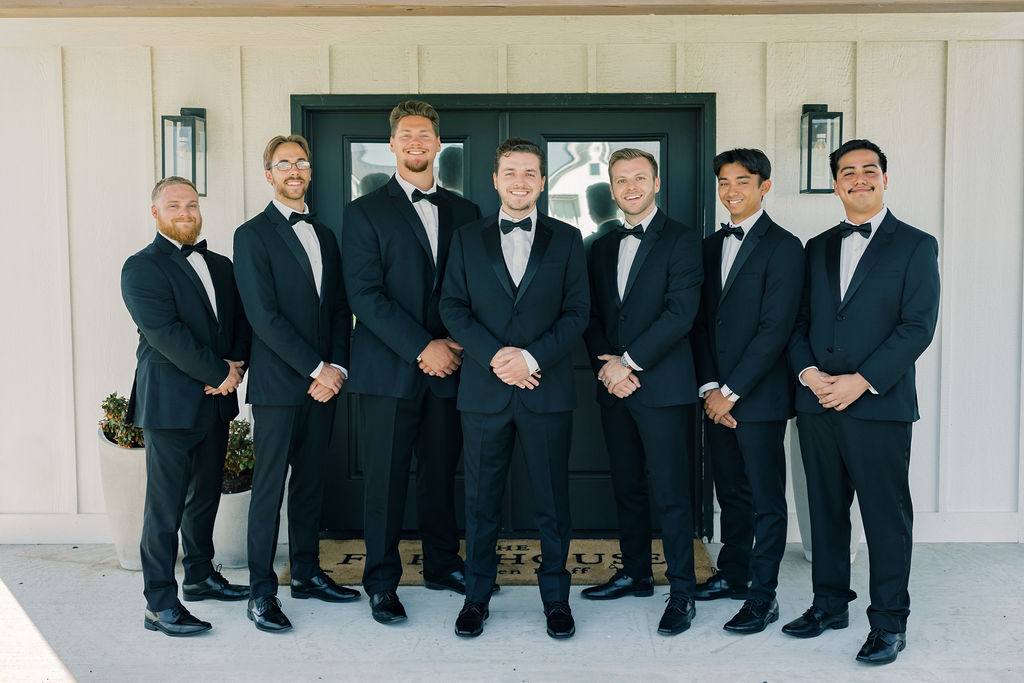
(516, 298)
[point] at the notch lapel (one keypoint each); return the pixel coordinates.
(492, 246)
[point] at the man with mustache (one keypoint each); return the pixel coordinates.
(405, 366)
(288, 269)
(193, 347)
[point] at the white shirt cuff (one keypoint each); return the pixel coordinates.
(531, 362)
(800, 375)
(631, 363)
(730, 394)
(320, 367)
(343, 370)
(706, 388)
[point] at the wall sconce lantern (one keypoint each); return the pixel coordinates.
(821, 132)
(184, 146)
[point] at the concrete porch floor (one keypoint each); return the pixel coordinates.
(71, 613)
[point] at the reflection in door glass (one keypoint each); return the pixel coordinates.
(578, 189)
(373, 164)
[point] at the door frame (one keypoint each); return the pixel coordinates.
(304, 107)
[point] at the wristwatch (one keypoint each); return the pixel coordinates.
(625, 363)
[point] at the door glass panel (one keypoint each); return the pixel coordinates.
(578, 189)
(373, 164)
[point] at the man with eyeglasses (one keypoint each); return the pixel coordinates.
(288, 270)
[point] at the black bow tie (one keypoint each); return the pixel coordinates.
(432, 197)
(734, 230)
(636, 231)
(849, 228)
(299, 217)
(187, 249)
(508, 226)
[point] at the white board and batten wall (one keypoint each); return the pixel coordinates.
(943, 94)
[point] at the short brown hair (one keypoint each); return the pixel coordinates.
(277, 141)
(167, 182)
(631, 153)
(522, 145)
(415, 108)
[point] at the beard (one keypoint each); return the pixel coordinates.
(416, 164)
(185, 232)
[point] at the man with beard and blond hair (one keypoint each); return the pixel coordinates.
(288, 269)
(405, 366)
(193, 346)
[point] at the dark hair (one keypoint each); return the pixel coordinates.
(519, 145)
(414, 108)
(754, 160)
(850, 146)
(627, 153)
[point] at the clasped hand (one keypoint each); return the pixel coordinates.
(509, 364)
(230, 383)
(718, 407)
(835, 391)
(327, 384)
(617, 378)
(441, 357)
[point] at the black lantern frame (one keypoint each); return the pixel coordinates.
(821, 132)
(183, 140)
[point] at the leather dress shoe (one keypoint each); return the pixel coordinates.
(175, 621)
(720, 587)
(620, 585)
(470, 622)
(386, 608)
(882, 646)
(265, 612)
(814, 621)
(453, 581)
(559, 618)
(753, 617)
(679, 613)
(213, 587)
(322, 587)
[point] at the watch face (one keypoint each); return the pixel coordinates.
(624, 362)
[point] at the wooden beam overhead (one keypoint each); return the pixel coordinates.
(274, 8)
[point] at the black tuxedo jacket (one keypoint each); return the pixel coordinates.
(886, 320)
(293, 328)
(182, 344)
(745, 323)
(394, 288)
(546, 315)
(654, 319)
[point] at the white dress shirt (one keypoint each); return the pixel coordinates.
(311, 245)
(730, 248)
(628, 246)
(850, 253)
(515, 247)
(426, 210)
(198, 263)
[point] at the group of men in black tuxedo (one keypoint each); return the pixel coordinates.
(462, 344)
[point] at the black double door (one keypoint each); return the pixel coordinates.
(349, 139)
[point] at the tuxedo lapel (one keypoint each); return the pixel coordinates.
(444, 234)
(832, 252)
(492, 246)
(402, 204)
(610, 267)
(181, 261)
(871, 255)
(747, 247)
(647, 242)
(540, 246)
(291, 240)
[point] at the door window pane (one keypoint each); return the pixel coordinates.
(373, 164)
(578, 189)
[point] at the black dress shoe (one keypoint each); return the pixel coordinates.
(265, 612)
(214, 587)
(175, 621)
(470, 622)
(454, 581)
(720, 587)
(322, 587)
(679, 613)
(560, 621)
(386, 608)
(753, 617)
(881, 647)
(620, 585)
(814, 621)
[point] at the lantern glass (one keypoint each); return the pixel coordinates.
(184, 149)
(821, 132)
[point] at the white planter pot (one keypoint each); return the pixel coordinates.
(123, 473)
(230, 530)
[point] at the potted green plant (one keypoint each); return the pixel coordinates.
(123, 475)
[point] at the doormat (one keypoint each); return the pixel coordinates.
(591, 561)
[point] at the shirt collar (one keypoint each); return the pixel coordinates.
(286, 210)
(532, 216)
(409, 187)
(176, 243)
(875, 220)
(646, 220)
(748, 222)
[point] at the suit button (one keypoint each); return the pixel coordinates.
(622, 317)
(838, 350)
(828, 350)
(718, 322)
(840, 317)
